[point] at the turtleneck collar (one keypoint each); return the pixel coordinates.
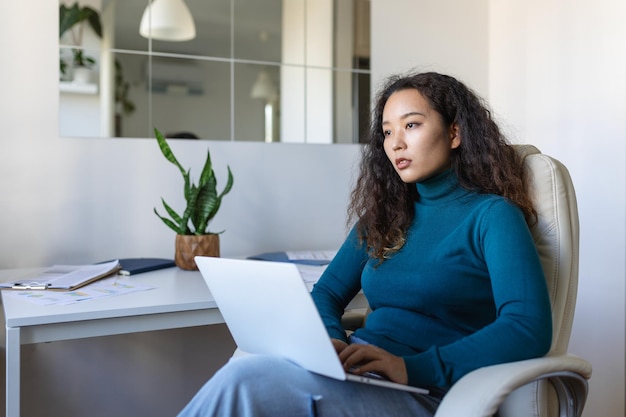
(441, 188)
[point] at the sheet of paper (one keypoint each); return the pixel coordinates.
(310, 274)
(324, 255)
(107, 287)
(66, 276)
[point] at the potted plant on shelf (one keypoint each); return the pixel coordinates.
(72, 20)
(203, 202)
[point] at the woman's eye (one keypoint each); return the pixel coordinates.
(411, 125)
(386, 132)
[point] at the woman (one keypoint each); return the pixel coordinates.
(442, 251)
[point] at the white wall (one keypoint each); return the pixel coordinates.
(554, 71)
(449, 36)
(558, 75)
(83, 200)
(555, 75)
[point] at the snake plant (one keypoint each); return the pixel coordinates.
(203, 200)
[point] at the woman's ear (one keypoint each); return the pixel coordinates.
(455, 136)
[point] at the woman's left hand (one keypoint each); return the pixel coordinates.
(360, 358)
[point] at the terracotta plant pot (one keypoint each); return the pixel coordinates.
(188, 246)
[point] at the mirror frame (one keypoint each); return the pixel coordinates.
(325, 115)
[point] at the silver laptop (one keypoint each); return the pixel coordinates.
(268, 310)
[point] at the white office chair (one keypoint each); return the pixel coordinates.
(554, 385)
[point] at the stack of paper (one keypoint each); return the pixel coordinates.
(64, 277)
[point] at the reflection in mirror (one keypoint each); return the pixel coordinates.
(257, 70)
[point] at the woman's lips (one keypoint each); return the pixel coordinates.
(402, 163)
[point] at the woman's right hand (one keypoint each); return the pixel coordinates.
(339, 345)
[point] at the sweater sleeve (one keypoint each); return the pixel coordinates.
(522, 328)
(339, 283)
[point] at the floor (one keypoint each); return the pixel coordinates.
(144, 374)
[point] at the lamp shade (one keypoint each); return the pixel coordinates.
(167, 20)
(263, 87)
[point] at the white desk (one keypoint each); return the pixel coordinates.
(180, 299)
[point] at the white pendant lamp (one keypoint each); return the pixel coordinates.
(167, 20)
(263, 87)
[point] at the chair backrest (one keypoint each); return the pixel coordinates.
(556, 235)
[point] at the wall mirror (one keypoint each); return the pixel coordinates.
(256, 70)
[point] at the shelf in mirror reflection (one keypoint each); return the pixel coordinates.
(78, 88)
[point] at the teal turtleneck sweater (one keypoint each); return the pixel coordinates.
(466, 290)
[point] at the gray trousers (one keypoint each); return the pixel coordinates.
(259, 386)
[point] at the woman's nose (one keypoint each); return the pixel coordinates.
(398, 142)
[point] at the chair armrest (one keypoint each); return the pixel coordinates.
(481, 392)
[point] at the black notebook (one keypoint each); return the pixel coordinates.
(133, 266)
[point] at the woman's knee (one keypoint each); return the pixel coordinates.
(253, 370)
(252, 386)
(254, 365)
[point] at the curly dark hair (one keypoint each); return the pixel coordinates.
(484, 162)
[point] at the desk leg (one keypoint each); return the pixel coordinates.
(13, 352)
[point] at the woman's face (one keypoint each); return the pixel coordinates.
(417, 142)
